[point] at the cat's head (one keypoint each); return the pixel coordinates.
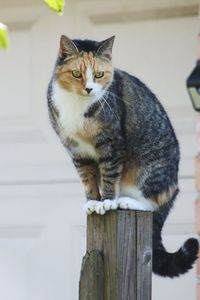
(85, 67)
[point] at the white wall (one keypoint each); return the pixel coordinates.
(13, 271)
(40, 194)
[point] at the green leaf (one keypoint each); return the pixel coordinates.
(3, 36)
(56, 5)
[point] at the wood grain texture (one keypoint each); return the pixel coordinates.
(125, 240)
(91, 285)
(144, 256)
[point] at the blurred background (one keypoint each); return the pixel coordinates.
(42, 227)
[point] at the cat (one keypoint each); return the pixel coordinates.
(120, 139)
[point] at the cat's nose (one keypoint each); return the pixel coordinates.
(88, 90)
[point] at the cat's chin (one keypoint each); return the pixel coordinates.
(93, 96)
(89, 97)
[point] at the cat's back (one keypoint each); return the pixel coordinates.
(138, 99)
(129, 86)
(144, 118)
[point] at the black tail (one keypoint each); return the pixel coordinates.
(171, 264)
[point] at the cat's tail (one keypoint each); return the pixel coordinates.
(171, 264)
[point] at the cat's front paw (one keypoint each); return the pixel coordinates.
(109, 204)
(89, 206)
(130, 203)
(100, 207)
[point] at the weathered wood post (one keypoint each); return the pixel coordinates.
(118, 263)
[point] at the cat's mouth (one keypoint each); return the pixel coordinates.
(93, 95)
(88, 94)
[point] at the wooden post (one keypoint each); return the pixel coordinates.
(119, 257)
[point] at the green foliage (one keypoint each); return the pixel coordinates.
(56, 5)
(3, 36)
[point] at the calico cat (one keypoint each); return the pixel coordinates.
(120, 140)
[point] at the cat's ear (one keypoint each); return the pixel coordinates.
(67, 47)
(105, 48)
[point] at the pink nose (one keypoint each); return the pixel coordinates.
(88, 90)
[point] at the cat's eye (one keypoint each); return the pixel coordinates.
(77, 74)
(99, 74)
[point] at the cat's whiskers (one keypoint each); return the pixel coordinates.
(123, 100)
(104, 99)
(112, 111)
(102, 106)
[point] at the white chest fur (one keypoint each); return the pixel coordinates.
(71, 108)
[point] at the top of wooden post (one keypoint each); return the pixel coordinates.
(124, 239)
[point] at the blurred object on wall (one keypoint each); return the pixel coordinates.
(56, 5)
(3, 36)
(193, 86)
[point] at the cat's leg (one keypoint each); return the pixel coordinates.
(89, 174)
(111, 153)
(150, 188)
(130, 196)
(109, 189)
(131, 201)
(110, 171)
(135, 204)
(159, 181)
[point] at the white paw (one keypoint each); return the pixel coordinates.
(132, 204)
(100, 207)
(89, 206)
(105, 205)
(110, 204)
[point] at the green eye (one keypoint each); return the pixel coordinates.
(99, 74)
(76, 74)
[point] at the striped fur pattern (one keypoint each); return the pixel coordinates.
(119, 138)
